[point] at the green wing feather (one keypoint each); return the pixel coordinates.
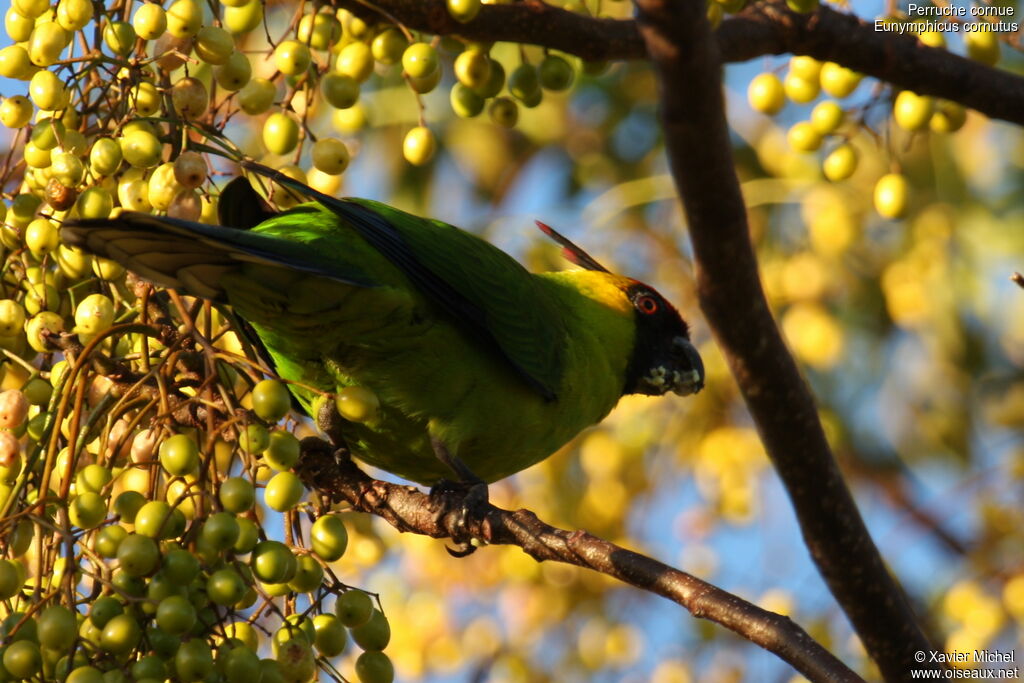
(195, 256)
(489, 293)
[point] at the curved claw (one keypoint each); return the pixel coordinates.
(461, 549)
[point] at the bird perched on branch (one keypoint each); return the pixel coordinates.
(481, 368)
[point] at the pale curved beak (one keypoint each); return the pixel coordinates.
(689, 368)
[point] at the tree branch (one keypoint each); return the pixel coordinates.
(439, 516)
(688, 64)
(767, 27)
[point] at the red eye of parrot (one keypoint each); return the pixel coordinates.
(647, 304)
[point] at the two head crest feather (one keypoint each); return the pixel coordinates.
(570, 250)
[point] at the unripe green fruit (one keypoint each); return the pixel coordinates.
(18, 26)
(74, 15)
(244, 18)
(213, 45)
(237, 495)
(15, 111)
(765, 94)
(890, 195)
(800, 90)
(524, 84)
(121, 634)
(339, 90)
(256, 96)
(273, 562)
(138, 555)
(503, 111)
(108, 540)
(319, 30)
(270, 398)
(355, 60)
(387, 47)
(354, 608)
(282, 452)
(374, 667)
(67, 168)
(105, 157)
(827, 116)
(175, 615)
(150, 21)
(104, 609)
(331, 636)
(803, 137)
(292, 57)
(193, 661)
(234, 73)
(94, 477)
(47, 133)
(473, 68)
(463, 11)
(184, 18)
(283, 491)
(427, 83)
(330, 156)
(10, 579)
(949, 117)
(119, 37)
(840, 163)
(94, 314)
(280, 133)
(179, 455)
(838, 81)
(225, 587)
(46, 43)
(22, 659)
(248, 536)
(12, 317)
(802, 6)
(87, 510)
(911, 111)
(180, 566)
(357, 403)
(556, 73)
(41, 237)
(30, 8)
(133, 194)
(163, 187)
(418, 148)
(36, 158)
(141, 149)
(329, 537)
(56, 627)
(419, 60)
(465, 102)
(375, 634)
(47, 91)
(15, 63)
(146, 99)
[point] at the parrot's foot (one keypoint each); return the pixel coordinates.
(474, 502)
(474, 505)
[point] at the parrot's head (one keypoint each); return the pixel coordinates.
(663, 358)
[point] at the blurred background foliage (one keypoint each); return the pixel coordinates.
(908, 328)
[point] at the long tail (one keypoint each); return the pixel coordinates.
(192, 256)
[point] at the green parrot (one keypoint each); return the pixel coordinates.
(480, 367)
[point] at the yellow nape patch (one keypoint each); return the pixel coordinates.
(605, 288)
